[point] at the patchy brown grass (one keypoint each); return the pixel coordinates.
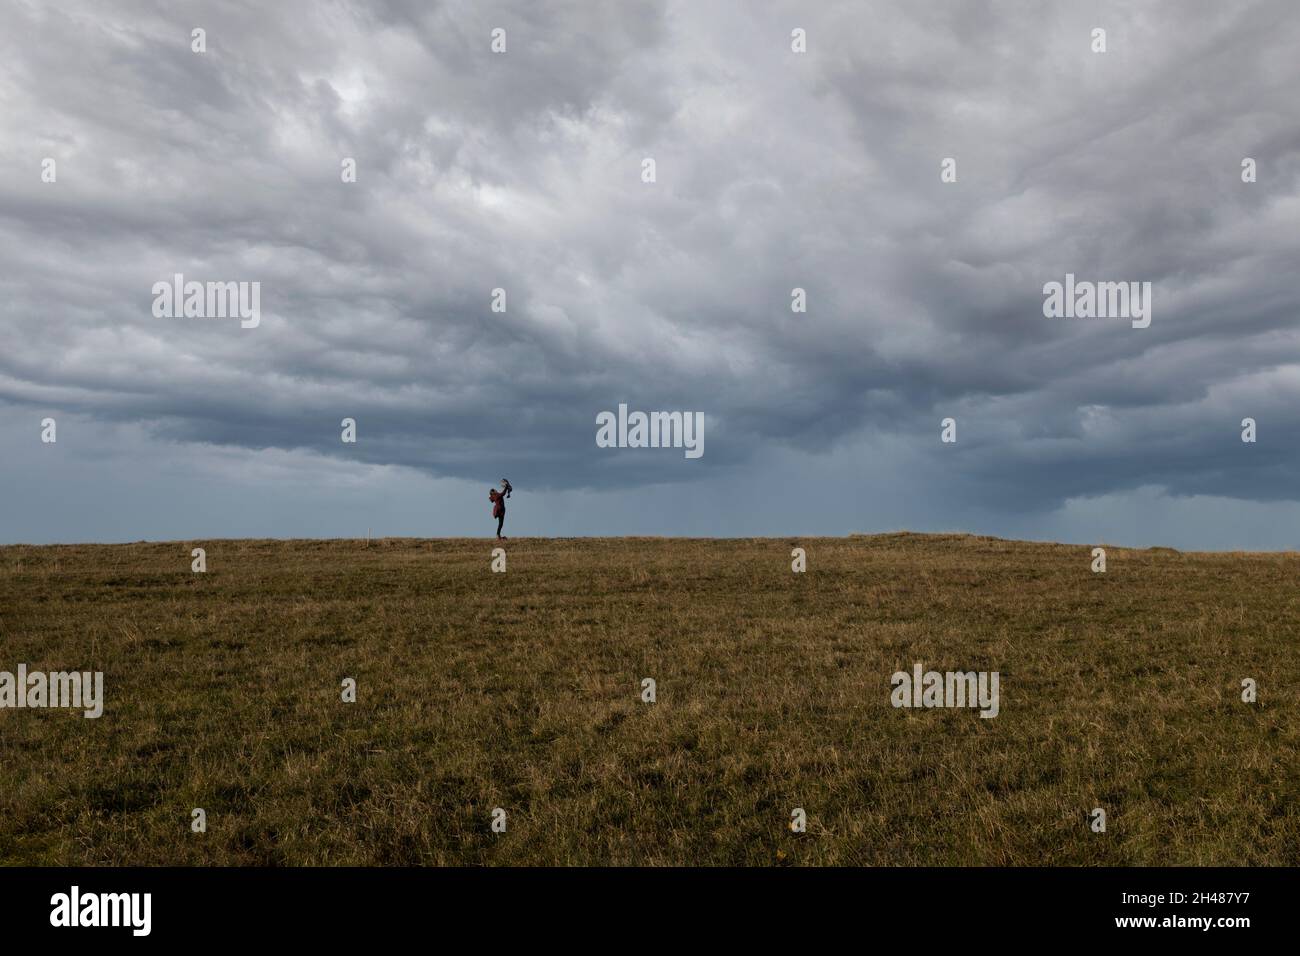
(522, 690)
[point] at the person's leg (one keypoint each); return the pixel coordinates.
(501, 519)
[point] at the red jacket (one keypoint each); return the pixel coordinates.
(498, 503)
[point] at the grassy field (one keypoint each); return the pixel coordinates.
(522, 691)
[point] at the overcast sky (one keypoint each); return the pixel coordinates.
(523, 170)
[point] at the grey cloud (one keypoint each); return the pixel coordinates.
(775, 171)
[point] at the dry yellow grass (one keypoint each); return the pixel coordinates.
(522, 690)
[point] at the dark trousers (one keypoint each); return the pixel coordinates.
(501, 519)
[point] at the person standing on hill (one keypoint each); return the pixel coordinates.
(498, 499)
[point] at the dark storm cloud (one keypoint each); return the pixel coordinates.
(775, 170)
